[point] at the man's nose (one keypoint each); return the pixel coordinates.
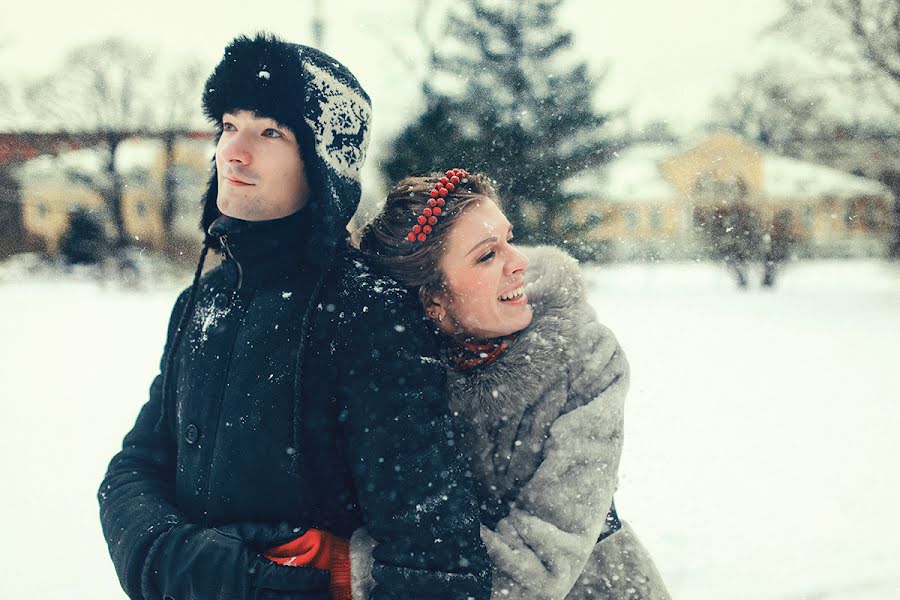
(237, 149)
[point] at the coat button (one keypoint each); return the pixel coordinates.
(220, 300)
(191, 434)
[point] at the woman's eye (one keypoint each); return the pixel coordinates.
(486, 257)
(273, 133)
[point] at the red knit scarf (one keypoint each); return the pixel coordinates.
(468, 355)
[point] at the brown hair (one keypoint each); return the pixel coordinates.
(416, 264)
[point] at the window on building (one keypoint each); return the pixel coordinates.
(631, 219)
(719, 190)
(850, 214)
(594, 219)
(138, 177)
(42, 210)
(141, 209)
(809, 217)
(871, 218)
(656, 219)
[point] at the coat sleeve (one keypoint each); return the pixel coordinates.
(412, 479)
(137, 494)
(541, 547)
(155, 550)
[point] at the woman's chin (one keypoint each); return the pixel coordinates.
(515, 324)
(525, 321)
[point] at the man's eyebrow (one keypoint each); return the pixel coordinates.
(278, 124)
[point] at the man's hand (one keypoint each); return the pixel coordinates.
(322, 550)
(222, 563)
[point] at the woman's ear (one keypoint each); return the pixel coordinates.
(433, 305)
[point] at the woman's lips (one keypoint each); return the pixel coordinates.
(523, 299)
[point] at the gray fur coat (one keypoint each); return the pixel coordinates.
(544, 426)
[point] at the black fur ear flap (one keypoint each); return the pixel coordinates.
(210, 209)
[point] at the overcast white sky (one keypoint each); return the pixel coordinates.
(666, 59)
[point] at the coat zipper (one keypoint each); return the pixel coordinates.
(224, 241)
(214, 438)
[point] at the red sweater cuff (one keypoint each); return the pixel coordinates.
(340, 570)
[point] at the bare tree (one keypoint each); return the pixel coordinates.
(863, 38)
(771, 107)
(318, 24)
(118, 89)
(861, 35)
(416, 51)
(181, 114)
(6, 95)
(101, 88)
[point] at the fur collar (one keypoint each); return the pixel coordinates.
(536, 361)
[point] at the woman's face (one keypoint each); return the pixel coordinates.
(484, 275)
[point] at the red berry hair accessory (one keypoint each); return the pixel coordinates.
(429, 217)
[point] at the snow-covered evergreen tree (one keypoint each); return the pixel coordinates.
(507, 98)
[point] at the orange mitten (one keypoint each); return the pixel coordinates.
(322, 550)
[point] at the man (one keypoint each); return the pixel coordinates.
(297, 388)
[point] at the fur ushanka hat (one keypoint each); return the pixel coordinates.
(326, 108)
(319, 99)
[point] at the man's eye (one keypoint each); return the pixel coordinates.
(487, 257)
(273, 133)
(227, 127)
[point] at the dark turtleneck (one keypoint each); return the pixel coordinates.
(262, 253)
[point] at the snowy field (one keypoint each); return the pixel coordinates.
(761, 457)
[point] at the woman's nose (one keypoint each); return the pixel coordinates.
(518, 262)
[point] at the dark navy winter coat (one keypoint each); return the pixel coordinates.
(359, 436)
(297, 389)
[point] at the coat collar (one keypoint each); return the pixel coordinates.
(259, 252)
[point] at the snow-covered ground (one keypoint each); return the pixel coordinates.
(761, 457)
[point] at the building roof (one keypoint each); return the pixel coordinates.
(133, 154)
(632, 175)
(635, 175)
(787, 178)
(86, 161)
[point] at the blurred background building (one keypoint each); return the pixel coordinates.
(791, 154)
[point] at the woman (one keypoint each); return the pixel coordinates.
(539, 386)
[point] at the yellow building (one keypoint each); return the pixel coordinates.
(53, 186)
(649, 198)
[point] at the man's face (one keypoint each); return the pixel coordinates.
(260, 171)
